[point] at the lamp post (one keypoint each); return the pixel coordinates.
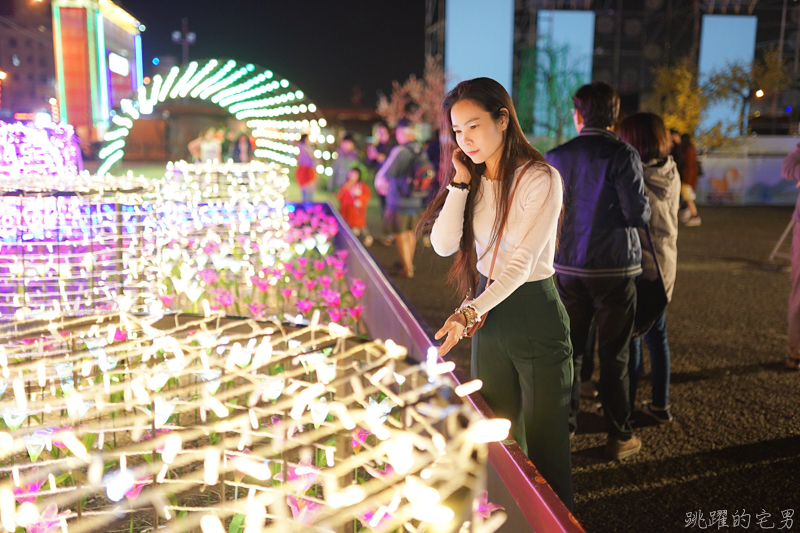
(185, 38)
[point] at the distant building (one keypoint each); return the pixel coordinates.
(628, 38)
(26, 56)
(74, 58)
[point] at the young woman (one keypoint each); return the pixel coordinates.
(646, 132)
(522, 353)
(206, 147)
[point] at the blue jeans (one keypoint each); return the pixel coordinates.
(656, 340)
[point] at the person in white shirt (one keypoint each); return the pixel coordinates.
(502, 197)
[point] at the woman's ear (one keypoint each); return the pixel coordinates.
(504, 117)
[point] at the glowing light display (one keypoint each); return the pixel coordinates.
(278, 427)
(276, 120)
(207, 422)
(28, 150)
(73, 244)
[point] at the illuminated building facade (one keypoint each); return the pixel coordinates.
(98, 56)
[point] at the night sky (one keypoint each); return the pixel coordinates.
(325, 47)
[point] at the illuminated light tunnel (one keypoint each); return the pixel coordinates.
(276, 111)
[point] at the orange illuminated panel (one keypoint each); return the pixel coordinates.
(75, 50)
(24, 116)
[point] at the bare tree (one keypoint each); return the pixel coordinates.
(418, 99)
(738, 82)
(392, 109)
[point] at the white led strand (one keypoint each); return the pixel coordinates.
(187, 74)
(230, 65)
(207, 68)
(223, 83)
(173, 73)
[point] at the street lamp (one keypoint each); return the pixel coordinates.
(185, 38)
(759, 93)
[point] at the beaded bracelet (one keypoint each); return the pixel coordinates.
(470, 315)
(458, 185)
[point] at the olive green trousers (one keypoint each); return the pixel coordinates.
(523, 355)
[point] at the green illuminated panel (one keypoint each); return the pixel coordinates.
(62, 96)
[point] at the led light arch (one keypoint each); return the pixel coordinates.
(276, 111)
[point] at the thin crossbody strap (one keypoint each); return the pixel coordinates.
(503, 224)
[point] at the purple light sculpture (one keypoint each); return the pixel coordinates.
(28, 150)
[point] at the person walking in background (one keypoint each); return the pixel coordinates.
(305, 174)
(434, 150)
(402, 206)
(501, 209)
(353, 198)
(675, 151)
(599, 254)
(242, 151)
(790, 170)
(346, 158)
(690, 171)
(227, 144)
(646, 132)
(376, 156)
(206, 147)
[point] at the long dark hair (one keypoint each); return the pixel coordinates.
(517, 151)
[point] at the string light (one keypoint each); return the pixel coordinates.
(168, 404)
(240, 91)
(414, 473)
(27, 150)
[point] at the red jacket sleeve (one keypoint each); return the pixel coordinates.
(690, 167)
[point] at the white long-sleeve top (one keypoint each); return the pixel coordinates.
(528, 244)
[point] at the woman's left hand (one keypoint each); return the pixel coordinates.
(453, 328)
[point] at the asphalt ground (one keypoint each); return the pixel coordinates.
(734, 444)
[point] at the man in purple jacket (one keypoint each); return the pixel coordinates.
(599, 254)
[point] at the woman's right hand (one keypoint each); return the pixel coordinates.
(462, 172)
(453, 328)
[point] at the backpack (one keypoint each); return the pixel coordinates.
(420, 177)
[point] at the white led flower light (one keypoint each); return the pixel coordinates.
(272, 448)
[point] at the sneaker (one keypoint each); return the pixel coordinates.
(588, 390)
(694, 221)
(368, 241)
(662, 416)
(387, 240)
(620, 449)
(684, 215)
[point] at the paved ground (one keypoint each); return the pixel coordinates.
(735, 442)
